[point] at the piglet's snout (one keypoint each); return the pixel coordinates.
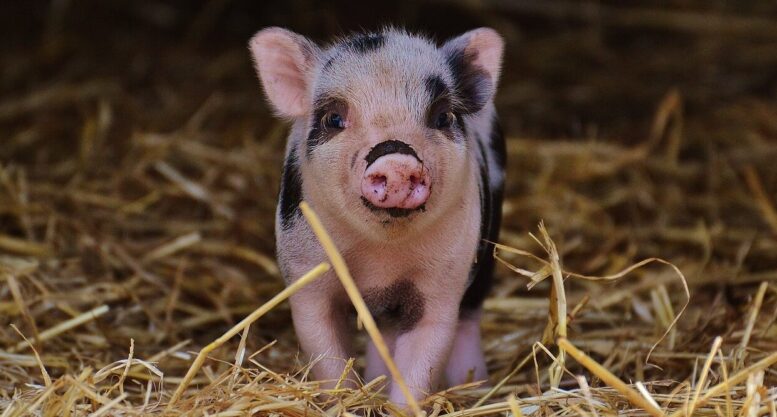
(396, 181)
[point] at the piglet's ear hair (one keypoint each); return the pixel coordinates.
(475, 59)
(283, 60)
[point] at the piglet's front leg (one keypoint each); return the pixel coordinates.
(421, 353)
(321, 328)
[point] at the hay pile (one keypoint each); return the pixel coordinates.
(137, 187)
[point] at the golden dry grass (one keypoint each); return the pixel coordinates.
(639, 270)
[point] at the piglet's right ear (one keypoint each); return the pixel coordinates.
(283, 60)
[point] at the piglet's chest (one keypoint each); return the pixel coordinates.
(399, 305)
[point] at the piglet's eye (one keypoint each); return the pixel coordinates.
(333, 120)
(444, 120)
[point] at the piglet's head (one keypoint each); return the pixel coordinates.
(380, 119)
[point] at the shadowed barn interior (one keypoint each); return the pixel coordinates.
(139, 169)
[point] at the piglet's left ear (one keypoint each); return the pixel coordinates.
(475, 58)
(284, 60)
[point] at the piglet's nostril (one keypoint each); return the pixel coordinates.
(379, 180)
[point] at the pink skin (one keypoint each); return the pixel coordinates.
(421, 354)
(396, 181)
(466, 363)
(322, 343)
(375, 366)
(439, 343)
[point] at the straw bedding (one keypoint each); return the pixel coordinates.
(138, 174)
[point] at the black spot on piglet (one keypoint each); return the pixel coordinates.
(399, 305)
(473, 84)
(436, 87)
(366, 42)
(360, 43)
(482, 272)
(498, 145)
(290, 194)
(389, 147)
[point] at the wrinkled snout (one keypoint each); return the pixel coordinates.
(396, 180)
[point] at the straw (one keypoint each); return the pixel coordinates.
(138, 202)
(259, 312)
(64, 327)
(608, 378)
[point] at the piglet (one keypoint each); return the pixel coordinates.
(395, 143)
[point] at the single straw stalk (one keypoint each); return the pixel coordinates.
(38, 360)
(761, 197)
(757, 303)
(557, 325)
(63, 327)
(514, 407)
(259, 312)
(504, 380)
(705, 370)
(338, 263)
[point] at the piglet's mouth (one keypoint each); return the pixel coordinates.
(394, 212)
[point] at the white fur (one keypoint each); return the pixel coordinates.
(387, 98)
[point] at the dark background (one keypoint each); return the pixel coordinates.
(572, 69)
(100, 99)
